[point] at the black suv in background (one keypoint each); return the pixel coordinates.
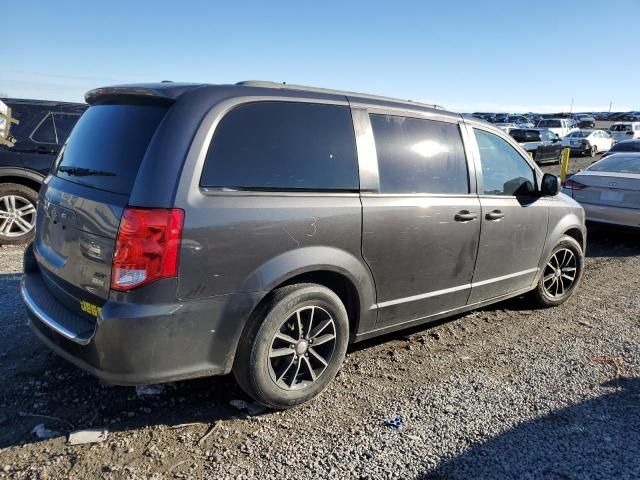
(542, 144)
(42, 129)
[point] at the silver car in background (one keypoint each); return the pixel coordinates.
(609, 190)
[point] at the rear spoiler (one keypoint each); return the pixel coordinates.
(144, 94)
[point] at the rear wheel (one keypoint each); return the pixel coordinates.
(17, 213)
(561, 274)
(293, 347)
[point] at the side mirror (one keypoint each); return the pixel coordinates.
(550, 185)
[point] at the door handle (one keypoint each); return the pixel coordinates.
(495, 215)
(465, 216)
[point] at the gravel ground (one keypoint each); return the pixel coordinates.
(504, 392)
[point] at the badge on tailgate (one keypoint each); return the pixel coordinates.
(90, 308)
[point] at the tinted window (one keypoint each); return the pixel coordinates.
(550, 123)
(64, 123)
(283, 145)
(504, 171)
(626, 147)
(107, 146)
(45, 131)
(523, 136)
(617, 164)
(620, 128)
(419, 156)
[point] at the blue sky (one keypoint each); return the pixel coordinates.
(466, 55)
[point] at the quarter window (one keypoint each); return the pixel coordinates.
(419, 156)
(504, 171)
(64, 122)
(45, 132)
(283, 145)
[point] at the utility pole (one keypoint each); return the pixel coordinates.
(571, 107)
(610, 106)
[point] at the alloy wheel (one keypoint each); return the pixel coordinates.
(560, 273)
(302, 348)
(17, 216)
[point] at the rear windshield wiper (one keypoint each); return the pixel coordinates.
(83, 172)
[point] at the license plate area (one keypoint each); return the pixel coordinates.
(612, 196)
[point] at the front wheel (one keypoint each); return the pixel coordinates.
(561, 274)
(17, 213)
(594, 151)
(293, 346)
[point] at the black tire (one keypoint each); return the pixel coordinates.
(544, 292)
(256, 371)
(593, 151)
(14, 196)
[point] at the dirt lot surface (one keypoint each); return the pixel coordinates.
(504, 392)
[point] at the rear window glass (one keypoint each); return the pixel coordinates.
(550, 123)
(107, 145)
(283, 146)
(617, 164)
(582, 134)
(620, 128)
(626, 147)
(523, 136)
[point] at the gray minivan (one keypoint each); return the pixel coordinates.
(259, 228)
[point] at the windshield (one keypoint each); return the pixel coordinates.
(617, 164)
(549, 123)
(579, 134)
(621, 128)
(107, 145)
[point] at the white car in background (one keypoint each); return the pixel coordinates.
(625, 131)
(560, 126)
(588, 142)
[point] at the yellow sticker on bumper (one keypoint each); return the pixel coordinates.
(90, 308)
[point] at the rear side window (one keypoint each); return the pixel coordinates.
(107, 145)
(45, 132)
(64, 123)
(419, 156)
(283, 146)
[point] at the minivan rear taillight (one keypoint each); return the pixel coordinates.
(147, 246)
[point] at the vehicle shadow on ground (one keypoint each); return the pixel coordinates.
(606, 241)
(561, 444)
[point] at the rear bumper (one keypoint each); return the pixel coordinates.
(143, 344)
(627, 217)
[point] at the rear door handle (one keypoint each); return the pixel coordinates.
(495, 215)
(465, 216)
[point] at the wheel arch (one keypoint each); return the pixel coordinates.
(336, 269)
(21, 176)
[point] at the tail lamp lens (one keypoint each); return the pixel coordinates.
(573, 185)
(147, 246)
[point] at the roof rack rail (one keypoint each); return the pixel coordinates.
(283, 85)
